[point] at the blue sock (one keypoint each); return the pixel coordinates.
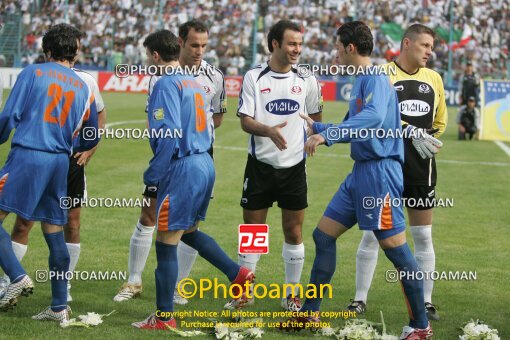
(59, 265)
(166, 277)
(211, 251)
(323, 268)
(403, 260)
(8, 261)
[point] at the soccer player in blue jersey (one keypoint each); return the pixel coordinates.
(184, 173)
(48, 105)
(376, 175)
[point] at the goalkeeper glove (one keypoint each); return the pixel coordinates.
(423, 140)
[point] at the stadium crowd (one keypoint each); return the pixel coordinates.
(115, 29)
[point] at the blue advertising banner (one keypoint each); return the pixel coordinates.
(495, 110)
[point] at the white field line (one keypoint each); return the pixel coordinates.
(503, 147)
(325, 154)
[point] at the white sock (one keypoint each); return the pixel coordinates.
(19, 251)
(425, 255)
(294, 258)
(366, 261)
(248, 260)
(139, 248)
(74, 255)
(186, 257)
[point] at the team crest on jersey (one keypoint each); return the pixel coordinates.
(282, 106)
(207, 89)
(158, 114)
(424, 88)
(296, 89)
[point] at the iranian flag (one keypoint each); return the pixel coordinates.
(394, 33)
(460, 38)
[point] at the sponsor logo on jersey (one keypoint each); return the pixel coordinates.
(158, 114)
(207, 89)
(399, 88)
(424, 88)
(414, 108)
(266, 90)
(282, 106)
(431, 194)
(296, 90)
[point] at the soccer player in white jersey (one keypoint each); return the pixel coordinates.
(272, 96)
(193, 40)
(76, 191)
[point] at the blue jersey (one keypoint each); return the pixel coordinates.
(48, 105)
(373, 112)
(177, 123)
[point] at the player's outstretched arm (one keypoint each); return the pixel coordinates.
(251, 126)
(246, 112)
(371, 117)
(314, 139)
(312, 143)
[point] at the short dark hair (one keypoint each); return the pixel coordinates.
(358, 34)
(165, 43)
(415, 30)
(197, 25)
(277, 31)
(61, 42)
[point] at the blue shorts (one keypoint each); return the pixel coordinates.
(32, 184)
(369, 197)
(185, 192)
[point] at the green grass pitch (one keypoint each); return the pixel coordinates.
(472, 236)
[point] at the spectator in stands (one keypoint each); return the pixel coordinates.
(468, 119)
(116, 28)
(469, 85)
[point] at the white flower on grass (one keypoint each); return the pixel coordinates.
(327, 331)
(67, 323)
(221, 331)
(185, 334)
(360, 330)
(92, 319)
(254, 333)
(475, 330)
(236, 336)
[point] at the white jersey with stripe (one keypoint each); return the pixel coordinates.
(92, 84)
(272, 98)
(213, 83)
